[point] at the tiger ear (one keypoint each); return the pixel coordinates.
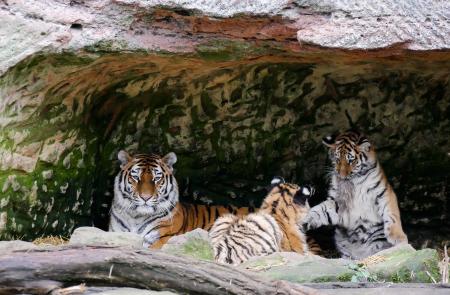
(123, 157)
(277, 180)
(329, 140)
(170, 159)
(303, 194)
(365, 145)
(308, 191)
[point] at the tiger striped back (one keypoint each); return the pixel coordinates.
(187, 217)
(275, 227)
(146, 201)
(235, 240)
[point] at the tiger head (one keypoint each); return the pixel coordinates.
(351, 154)
(146, 182)
(287, 201)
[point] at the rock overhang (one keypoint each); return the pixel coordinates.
(182, 26)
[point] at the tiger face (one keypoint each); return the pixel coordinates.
(146, 181)
(287, 201)
(351, 154)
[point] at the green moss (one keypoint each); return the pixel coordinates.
(115, 47)
(402, 276)
(407, 265)
(22, 68)
(194, 247)
(198, 248)
(324, 279)
(345, 277)
(225, 50)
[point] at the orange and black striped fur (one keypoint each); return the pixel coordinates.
(146, 201)
(275, 227)
(362, 204)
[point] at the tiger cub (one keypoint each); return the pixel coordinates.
(275, 227)
(146, 201)
(361, 205)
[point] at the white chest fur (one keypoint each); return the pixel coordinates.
(356, 202)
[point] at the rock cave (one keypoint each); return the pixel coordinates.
(239, 96)
(234, 124)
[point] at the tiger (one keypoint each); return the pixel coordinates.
(146, 201)
(274, 227)
(361, 205)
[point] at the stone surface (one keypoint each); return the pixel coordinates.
(128, 291)
(357, 24)
(380, 288)
(9, 246)
(32, 26)
(401, 264)
(194, 243)
(404, 264)
(95, 236)
(300, 268)
(386, 291)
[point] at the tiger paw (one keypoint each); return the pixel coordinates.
(309, 223)
(331, 211)
(397, 236)
(150, 239)
(305, 227)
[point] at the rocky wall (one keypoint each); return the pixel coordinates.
(235, 114)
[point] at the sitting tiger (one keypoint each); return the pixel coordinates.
(275, 227)
(146, 201)
(361, 205)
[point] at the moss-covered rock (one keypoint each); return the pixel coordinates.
(403, 264)
(9, 246)
(300, 268)
(93, 236)
(194, 243)
(400, 264)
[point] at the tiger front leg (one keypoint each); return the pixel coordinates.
(151, 239)
(321, 215)
(391, 218)
(395, 234)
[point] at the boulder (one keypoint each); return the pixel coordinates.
(400, 264)
(17, 245)
(299, 268)
(128, 291)
(195, 243)
(95, 236)
(403, 264)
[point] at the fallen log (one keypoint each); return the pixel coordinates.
(43, 271)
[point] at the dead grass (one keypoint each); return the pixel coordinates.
(51, 240)
(443, 266)
(374, 259)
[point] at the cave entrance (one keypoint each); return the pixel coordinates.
(234, 124)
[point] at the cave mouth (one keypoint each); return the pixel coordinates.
(233, 124)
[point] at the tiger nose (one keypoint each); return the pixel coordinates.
(146, 197)
(343, 171)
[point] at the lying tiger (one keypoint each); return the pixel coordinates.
(146, 201)
(275, 227)
(362, 205)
